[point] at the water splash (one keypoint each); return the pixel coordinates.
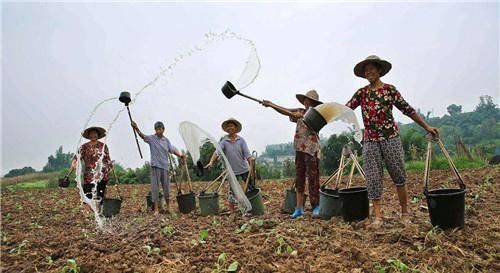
(194, 137)
(333, 111)
(248, 76)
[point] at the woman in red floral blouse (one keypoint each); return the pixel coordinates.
(381, 141)
(97, 163)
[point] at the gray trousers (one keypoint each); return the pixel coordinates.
(159, 176)
(374, 155)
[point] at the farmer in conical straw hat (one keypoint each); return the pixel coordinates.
(381, 137)
(95, 169)
(159, 146)
(307, 151)
(236, 150)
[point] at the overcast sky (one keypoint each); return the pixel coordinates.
(61, 59)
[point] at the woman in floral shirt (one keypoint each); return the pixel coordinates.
(381, 137)
(97, 163)
(307, 151)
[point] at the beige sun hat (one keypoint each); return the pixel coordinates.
(359, 69)
(101, 132)
(231, 120)
(312, 95)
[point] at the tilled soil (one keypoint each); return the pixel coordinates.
(43, 229)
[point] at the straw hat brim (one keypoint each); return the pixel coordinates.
(301, 99)
(359, 69)
(101, 132)
(234, 121)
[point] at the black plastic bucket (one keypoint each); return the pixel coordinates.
(111, 207)
(329, 203)
(314, 120)
(63, 182)
(255, 199)
(149, 201)
(229, 90)
(209, 203)
(446, 207)
(354, 204)
(290, 202)
(186, 202)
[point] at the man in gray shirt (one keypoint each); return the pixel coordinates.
(159, 146)
(236, 150)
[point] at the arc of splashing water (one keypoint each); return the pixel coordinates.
(211, 37)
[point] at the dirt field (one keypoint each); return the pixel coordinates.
(43, 229)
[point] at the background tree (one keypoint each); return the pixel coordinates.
(454, 109)
(332, 149)
(19, 172)
(59, 161)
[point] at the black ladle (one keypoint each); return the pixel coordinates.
(230, 91)
(125, 98)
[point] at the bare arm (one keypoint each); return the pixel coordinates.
(136, 128)
(73, 163)
(212, 160)
(292, 113)
(431, 130)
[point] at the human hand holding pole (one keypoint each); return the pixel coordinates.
(125, 98)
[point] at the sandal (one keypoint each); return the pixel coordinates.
(376, 223)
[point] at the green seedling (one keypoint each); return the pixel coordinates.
(379, 269)
(398, 265)
(221, 263)
(487, 180)
(167, 230)
(214, 221)
(35, 225)
(201, 238)
(152, 251)
(174, 215)
(252, 224)
(18, 249)
(282, 246)
(71, 267)
(48, 260)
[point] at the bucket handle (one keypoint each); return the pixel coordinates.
(329, 179)
(448, 158)
(347, 156)
(252, 172)
(186, 172)
(117, 182)
(172, 168)
(221, 183)
(214, 181)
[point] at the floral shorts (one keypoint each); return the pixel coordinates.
(375, 154)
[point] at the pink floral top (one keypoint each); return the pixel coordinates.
(305, 139)
(90, 155)
(376, 109)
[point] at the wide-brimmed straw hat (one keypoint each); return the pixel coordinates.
(312, 95)
(233, 121)
(359, 69)
(101, 132)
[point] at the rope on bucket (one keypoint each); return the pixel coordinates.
(448, 158)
